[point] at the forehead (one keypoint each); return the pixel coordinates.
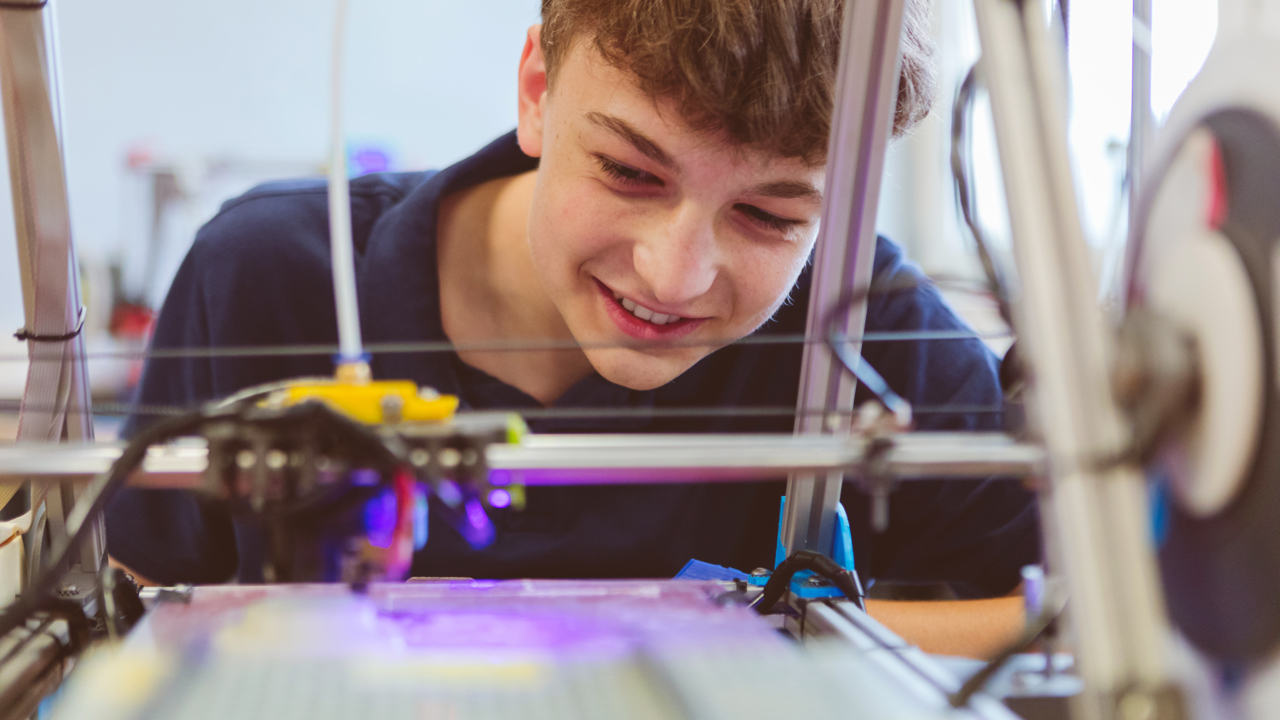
(588, 92)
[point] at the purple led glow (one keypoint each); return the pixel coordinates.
(477, 529)
(380, 518)
(499, 498)
(449, 493)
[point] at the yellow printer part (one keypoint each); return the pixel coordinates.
(377, 402)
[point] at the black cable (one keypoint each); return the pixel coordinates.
(846, 581)
(92, 502)
(30, 336)
(979, 680)
(964, 191)
(385, 451)
(871, 379)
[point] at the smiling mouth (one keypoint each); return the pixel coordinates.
(645, 313)
(643, 323)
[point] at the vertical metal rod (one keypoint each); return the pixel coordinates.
(1117, 610)
(1141, 122)
(56, 404)
(865, 102)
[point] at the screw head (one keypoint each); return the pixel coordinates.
(761, 572)
(246, 459)
(392, 408)
(419, 457)
(1137, 705)
(277, 459)
(450, 457)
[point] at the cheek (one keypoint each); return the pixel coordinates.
(574, 222)
(763, 278)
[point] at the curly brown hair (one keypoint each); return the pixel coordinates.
(760, 71)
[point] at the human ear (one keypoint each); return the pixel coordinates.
(532, 94)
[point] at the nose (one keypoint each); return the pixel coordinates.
(677, 258)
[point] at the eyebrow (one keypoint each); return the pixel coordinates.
(782, 189)
(789, 190)
(622, 129)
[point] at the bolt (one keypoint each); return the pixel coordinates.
(276, 459)
(449, 457)
(246, 459)
(761, 572)
(815, 581)
(1137, 705)
(392, 408)
(419, 457)
(880, 506)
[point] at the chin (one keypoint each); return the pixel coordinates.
(637, 370)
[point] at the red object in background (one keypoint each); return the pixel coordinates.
(132, 322)
(1218, 192)
(129, 321)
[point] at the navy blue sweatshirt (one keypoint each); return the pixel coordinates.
(258, 274)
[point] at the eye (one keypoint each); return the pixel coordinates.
(627, 174)
(769, 221)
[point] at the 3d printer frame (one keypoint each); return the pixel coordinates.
(1092, 512)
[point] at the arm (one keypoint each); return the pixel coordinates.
(968, 628)
(139, 579)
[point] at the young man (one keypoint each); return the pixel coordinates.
(664, 183)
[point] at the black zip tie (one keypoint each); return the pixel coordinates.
(25, 334)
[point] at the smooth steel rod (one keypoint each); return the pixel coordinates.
(609, 459)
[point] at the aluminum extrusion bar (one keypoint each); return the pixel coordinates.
(610, 459)
(862, 118)
(56, 401)
(1095, 517)
(916, 671)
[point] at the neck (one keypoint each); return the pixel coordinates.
(490, 292)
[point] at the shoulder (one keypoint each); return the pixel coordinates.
(953, 370)
(950, 368)
(285, 211)
(279, 232)
(899, 290)
(303, 192)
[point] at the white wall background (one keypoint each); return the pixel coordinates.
(435, 79)
(248, 79)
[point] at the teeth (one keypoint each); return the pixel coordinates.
(645, 313)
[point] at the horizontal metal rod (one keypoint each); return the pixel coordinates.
(607, 459)
(496, 346)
